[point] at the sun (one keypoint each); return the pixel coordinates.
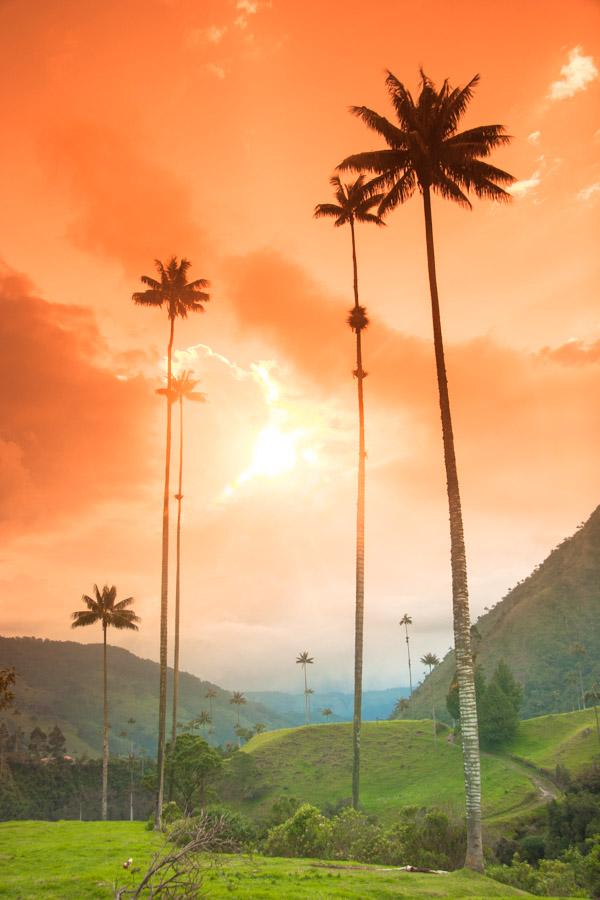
(274, 452)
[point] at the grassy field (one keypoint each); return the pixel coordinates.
(82, 860)
(568, 739)
(400, 766)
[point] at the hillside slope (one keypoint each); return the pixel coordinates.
(61, 682)
(401, 766)
(534, 627)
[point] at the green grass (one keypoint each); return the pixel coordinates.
(568, 739)
(60, 860)
(400, 767)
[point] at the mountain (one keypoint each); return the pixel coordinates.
(535, 628)
(375, 704)
(61, 682)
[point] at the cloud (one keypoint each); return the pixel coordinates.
(588, 192)
(577, 74)
(216, 70)
(126, 207)
(573, 353)
(521, 188)
(534, 137)
(73, 434)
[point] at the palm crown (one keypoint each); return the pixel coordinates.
(426, 150)
(430, 659)
(354, 203)
(102, 607)
(179, 296)
(182, 388)
(405, 620)
(304, 659)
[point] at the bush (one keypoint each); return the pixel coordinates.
(170, 813)
(354, 836)
(306, 833)
(553, 878)
(236, 830)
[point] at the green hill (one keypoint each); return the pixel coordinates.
(534, 627)
(61, 682)
(402, 767)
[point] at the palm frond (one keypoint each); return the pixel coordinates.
(375, 161)
(151, 282)
(402, 189)
(122, 604)
(84, 617)
(395, 137)
(330, 210)
(448, 189)
(479, 141)
(148, 298)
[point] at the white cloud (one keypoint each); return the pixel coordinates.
(587, 192)
(578, 72)
(521, 188)
(534, 137)
(248, 6)
(214, 34)
(217, 71)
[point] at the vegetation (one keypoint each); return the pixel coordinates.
(426, 151)
(498, 705)
(354, 204)
(180, 298)
(51, 861)
(431, 661)
(304, 659)
(406, 621)
(104, 608)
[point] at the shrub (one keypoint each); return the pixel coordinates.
(233, 828)
(306, 833)
(553, 878)
(354, 836)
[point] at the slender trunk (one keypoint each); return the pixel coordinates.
(433, 710)
(582, 692)
(597, 723)
(179, 498)
(105, 732)
(164, 602)
(460, 594)
(409, 666)
(305, 696)
(131, 791)
(359, 611)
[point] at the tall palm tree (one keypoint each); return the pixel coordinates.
(355, 205)
(431, 661)
(180, 297)
(308, 694)
(182, 388)
(210, 696)
(426, 151)
(104, 608)
(406, 620)
(238, 700)
(327, 712)
(304, 660)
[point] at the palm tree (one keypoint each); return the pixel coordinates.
(355, 205)
(308, 694)
(180, 298)
(327, 712)
(210, 696)
(204, 719)
(182, 387)
(406, 620)
(104, 608)
(426, 151)
(593, 696)
(238, 700)
(305, 660)
(430, 660)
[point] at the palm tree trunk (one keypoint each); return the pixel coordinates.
(105, 732)
(433, 710)
(460, 594)
(359, 611)
(164, 602)
(177, 594)
(409, 666)
(305, 696)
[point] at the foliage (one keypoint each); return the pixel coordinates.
(8, 678)
(233, 827)
(192, 764)
(498, 704)
(306, 833)
(551, 879)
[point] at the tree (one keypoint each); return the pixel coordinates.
(327, 712)
(304, 659)
(406, 620)
(426, 151)
(259, 727)
(238, 700)
(104, 608)
(308, 694)
(498, 705)
(182, 388)
(431, 661)
(593, 696)
(180, 297)
(193, 762)
(210, 695)
(355, 205)
(401, 706)
(57, 743)
(579, 652)
(38, 742)
(8, 677)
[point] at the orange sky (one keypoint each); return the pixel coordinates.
(140, 129)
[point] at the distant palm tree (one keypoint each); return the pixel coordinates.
(104, 608)
(425, 151)
(182, 388)
(401, 705)
(327, 712)
(355, 205)
(204, 719)
(305, 660)
(259, 727)
(210, 696)
(406, 620)
(180, 298)
(593, 696)
(308, 694)
(430, 660)
(238, 700)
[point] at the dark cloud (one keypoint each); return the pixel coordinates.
(72, 433)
